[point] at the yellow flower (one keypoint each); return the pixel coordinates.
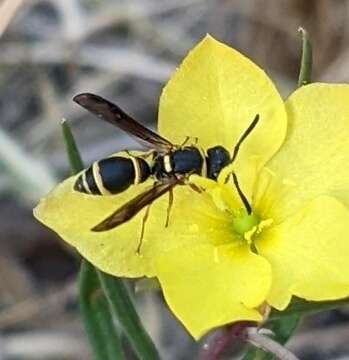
(216, 264)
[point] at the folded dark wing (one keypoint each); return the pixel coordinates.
(111, 113)
(134, 206)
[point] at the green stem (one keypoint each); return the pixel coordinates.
(122, 307)
(96, 317)
(307, 59)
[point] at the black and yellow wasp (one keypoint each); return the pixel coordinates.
(171, 164)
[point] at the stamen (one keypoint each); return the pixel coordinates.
(244, 136)
(242, 195)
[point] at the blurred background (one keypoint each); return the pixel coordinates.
(126, 51)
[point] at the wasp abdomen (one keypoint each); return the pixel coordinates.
(112, 175)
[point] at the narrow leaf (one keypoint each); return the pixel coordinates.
(74, 157)
(306, 60)
(123, 309)
(96, 316)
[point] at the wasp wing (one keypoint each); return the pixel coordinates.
(134, 206)
(111, 113)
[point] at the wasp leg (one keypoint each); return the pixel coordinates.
(146, 154)
(144, 220)
(195, 188)
(187, 138)
(169, 207)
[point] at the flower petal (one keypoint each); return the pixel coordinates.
(309, 253)
(207, 286)
(315, 155)
(72, 214)
(214, 96)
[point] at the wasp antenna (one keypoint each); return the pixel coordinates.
(244, 136)
(242, 195)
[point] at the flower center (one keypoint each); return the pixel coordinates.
(244, 222)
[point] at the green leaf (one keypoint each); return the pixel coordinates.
(96, 316)
(306, 60)
(282, 329)
(75, 161)
(300, 307)
(122, 306)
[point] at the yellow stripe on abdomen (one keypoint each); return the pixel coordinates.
(137, 170)
(98, 179)
(167, 163)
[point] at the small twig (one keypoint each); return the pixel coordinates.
(8, 10)
(37, 306)
(115, 60)
(134, 12)
(29, 176)
(322, 340)
(265, 343)
(44, 344)
(43, 131)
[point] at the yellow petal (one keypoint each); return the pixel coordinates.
(207, 286)
(270, 193)
(309, 253)
(315, 155)
(72, 214)
(214, 96)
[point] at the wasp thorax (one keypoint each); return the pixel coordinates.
(185, 161)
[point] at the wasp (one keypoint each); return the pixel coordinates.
(171, 164)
